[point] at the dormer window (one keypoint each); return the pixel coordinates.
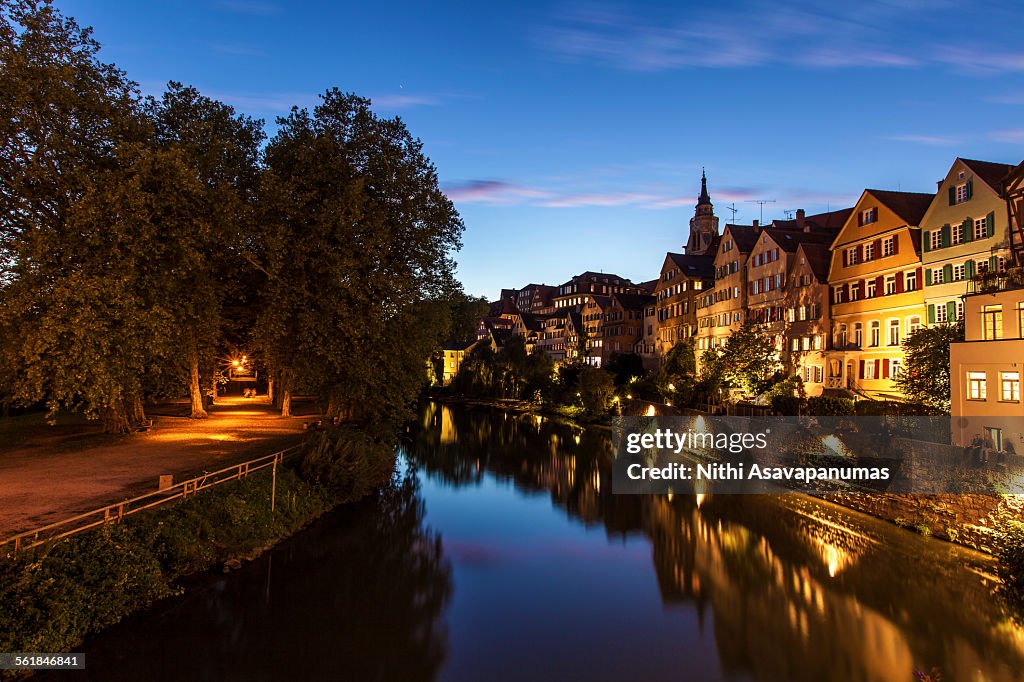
(963, 192)
(869, 216)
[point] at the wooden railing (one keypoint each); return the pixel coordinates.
(114, 513)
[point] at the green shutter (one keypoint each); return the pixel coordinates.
(928, 277)
(952, 196)
(968, 230)
(947, 273)
(969, 268)
(970, 189)
(993, 263)
(991, 223)
(951, 312)
(931, 313)
(945, 236)
(927, 239)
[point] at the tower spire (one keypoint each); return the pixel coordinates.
(704, 224)
(704, 197)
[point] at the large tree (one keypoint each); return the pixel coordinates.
(211, 288)
(748, 360)
(357, 241)
(76, 321)
(925, 375)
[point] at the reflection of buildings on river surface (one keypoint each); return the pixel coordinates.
(793, 588)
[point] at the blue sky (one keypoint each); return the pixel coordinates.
(571, 136)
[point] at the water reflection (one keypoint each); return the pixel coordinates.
(792, 588)
(359, 595)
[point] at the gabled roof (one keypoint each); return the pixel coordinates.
(696, 267)
(633, 301)
(744, 236)
(819, 259)
(459, 345)
(910, 206)
(648, 285)
(832, 220)
(601, 300)
(789, 240)
(992, 173)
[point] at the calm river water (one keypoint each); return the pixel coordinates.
(503, 555)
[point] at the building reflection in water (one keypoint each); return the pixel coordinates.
(792, 588)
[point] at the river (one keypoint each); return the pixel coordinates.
(501, 553)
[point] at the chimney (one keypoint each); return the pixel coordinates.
(938, 185)
(757, 226)
(800, 220)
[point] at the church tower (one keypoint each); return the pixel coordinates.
(703, 224)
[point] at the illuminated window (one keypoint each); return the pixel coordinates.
(913, 324)
(940, 312)
(895, 365)
(876, 333)
(957, 234)
(872, 289)
(992, 322)
(976, 386)
(1009, 386)
(910, 281)
(959, 272)
(858, 334)
(935, 239)
(894, 332)
(962, 193)
(869, 251)
(851, 256)
(890, 284)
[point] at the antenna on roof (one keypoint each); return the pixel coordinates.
(789, 213)
(761, 203)
(732, 207)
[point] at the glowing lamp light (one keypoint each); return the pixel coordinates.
(236, 363)
(671, 387)
(651, 412)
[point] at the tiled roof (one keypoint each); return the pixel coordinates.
(910, 206)
(633, 301)
(697, 267)
(744, 236)
(788, 240)
(649, 285)
(992, 173)
(819, 258)
(832, 220)
(459, 345)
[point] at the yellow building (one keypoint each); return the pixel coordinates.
(452, 356)
(964, 233)
(876, 285)
(722, 310)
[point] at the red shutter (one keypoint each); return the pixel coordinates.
(885, 368)
(860, 223)
(877, 367)
(861, 369)
(895, 244)
(845, 263)
(879, 286)
(860, 253)
(899, 282)
(878, 248)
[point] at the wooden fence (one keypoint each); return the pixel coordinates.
(114, 513)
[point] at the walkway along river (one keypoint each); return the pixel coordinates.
(503, 555)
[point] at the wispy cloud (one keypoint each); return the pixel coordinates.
(505, 193)
(931, 140)
(403, 101)
(749, 33)
(1013, 136)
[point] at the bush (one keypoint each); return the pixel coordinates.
(348, 461)
(788, 405)
(1010, 553)
(826, 406)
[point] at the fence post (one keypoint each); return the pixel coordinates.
(273, 484)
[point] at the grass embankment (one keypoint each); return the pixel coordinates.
(55, 595)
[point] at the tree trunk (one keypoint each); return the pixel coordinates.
(213, 386)
(137, 412)
(195, 391)
(115, 418)
(270, 387)
(286, 403)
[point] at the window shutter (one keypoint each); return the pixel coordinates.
(861, 369)
(927, 239)
(860, 253)
(860, 219)
(993, 263)
(951, 311)
(969, 268)
(878, 248)
(845, 261)
(991, 223)
(947, 273)
(945, 236)
(899, 282)
(879, 286)
(967, 230)
(878, 365)
(970, 189)
(928, 277)
(895, 244)
(952, 196)
(885, 368)
(931, 313)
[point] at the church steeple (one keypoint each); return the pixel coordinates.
(704, 223)
(704, 197)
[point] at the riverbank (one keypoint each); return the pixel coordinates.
(570, 413)
(57, 595)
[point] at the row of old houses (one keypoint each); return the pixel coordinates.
(839, 292)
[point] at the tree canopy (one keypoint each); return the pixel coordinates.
(925, 375)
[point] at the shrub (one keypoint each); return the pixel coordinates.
(348, 461)
(827, 406)
(1010, 553)
(788, 405)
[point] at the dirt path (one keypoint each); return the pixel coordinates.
(47, 476)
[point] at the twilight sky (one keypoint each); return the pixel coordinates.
(571, 135)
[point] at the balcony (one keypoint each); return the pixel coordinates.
(989, 282)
